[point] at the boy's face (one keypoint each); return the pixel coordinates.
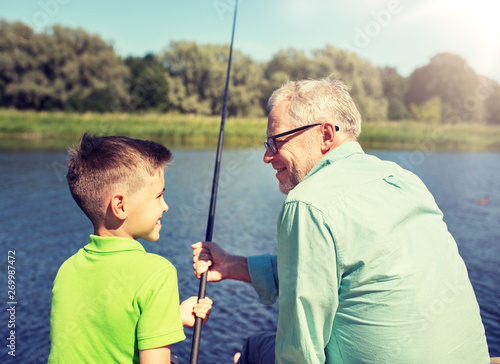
(145, 209)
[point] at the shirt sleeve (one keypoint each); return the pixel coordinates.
(264, 275)
(308, 292)
(160, 322)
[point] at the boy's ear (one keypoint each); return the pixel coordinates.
(117, 206)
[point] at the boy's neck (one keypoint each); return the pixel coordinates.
(119, 233)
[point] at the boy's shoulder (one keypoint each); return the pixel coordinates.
(132, 256)
(137, 269)
(153, 260)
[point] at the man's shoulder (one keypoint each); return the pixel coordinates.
(336, 179)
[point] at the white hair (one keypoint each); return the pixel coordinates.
(316, 101)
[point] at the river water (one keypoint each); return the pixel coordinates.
(40, 221)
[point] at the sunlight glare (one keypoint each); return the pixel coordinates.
(475, 23)
(480, 15)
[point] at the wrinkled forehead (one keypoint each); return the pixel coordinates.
(279, 119)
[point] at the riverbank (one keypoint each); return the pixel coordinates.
(30, 130)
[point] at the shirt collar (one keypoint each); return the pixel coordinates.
(105, 244)
(341, 152)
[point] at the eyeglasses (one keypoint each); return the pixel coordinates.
(271, 141)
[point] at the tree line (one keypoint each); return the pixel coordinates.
(68, 69)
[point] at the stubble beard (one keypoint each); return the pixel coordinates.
(297, 173)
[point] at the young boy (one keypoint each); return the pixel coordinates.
(112, 302)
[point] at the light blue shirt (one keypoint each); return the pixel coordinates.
(368, 272)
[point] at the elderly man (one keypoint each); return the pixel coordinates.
(368, 272)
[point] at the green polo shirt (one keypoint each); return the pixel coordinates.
(110, 300)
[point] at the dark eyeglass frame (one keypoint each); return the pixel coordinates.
(271, 141)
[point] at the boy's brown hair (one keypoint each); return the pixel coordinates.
(99, 164)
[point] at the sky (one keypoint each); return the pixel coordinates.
(403, 34)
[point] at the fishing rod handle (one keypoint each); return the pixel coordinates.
(195, 344)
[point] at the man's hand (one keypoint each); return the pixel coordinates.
(192, 307)
(220, 265)
(205, 255)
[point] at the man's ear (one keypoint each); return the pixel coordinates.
(117, 206)
(328, 136)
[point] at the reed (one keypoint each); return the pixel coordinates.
(410, 134)
(58, 130)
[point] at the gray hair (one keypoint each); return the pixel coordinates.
(316, 101)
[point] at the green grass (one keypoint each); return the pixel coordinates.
(22, 129)
(431, 137)
(58, 130)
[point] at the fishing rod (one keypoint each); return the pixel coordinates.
(195, 345)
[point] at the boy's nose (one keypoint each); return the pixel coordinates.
(165, 206)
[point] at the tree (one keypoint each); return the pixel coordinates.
(285, 65)
(19, 71)
(246, 87)
(394, 86)
(449, 78)
(197, 79)
(429, 112)
(491, 94)
(2, 92)
(44, 71)
(364, 79)
(198, 75)
(148, 83)
(86, 63)
(100, 100)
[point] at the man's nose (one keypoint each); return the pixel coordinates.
(268, 156)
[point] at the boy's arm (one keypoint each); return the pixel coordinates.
(159, 355)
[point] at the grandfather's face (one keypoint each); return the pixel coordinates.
(297, 153)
